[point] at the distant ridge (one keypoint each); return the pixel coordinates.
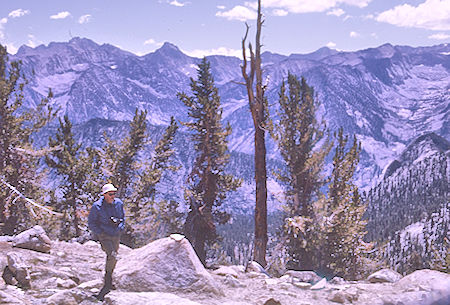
(385, 95)
(420, 148)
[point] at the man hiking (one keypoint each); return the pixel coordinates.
(107, 221)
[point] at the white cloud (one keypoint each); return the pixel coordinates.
(278, 12)
(331, 45)
(221, 7)
(239, 12)
(153, 42)
(284, 7)
(253, 5)
(18, 13)
(354, 34)
(358, 3)
(84, 19)
(219, 51)
(149, 41)
(2, 22)
(336, 12)
(32, 41)
(308, 6)
(11, 48)
(439, 36)
(431, 15)
(176, 3)
(60, 15)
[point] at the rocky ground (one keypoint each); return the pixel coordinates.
(168, 272)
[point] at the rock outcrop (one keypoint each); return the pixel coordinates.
(33, 239)
(384, 276)
(166, 265)
(167, 271)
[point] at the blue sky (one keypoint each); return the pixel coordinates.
(204, 27)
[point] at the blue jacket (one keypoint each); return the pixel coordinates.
(99, 219)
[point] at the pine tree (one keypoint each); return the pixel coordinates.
(342, 223)
(297, 134)
(145, 187)
(208, 184)
(80, 171)
(18, 158)
(136, 176)
(330, 240)
(121, 158)
(149, 217)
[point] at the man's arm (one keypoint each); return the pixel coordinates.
(122, 216)
(93, 221)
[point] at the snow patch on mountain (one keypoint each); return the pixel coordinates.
(59, 83)
(150, 89)
(387, 96)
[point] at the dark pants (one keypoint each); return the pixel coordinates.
(110, 245)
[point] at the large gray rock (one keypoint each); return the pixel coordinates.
(165, 265)
(18, 270)
(435, 283)
(33, 239)
(12, 295)
(384, 276)
(431, 279)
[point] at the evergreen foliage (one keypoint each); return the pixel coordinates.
(83, 170)
(121, 157)
(342, 215)
(136, 180)
(421, 189)
(408, 215)
(331, 240)
(18, 158)
(150, 217)
(298, 134)
(207, 184)
(80, 172)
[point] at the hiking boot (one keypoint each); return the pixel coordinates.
(101, 295)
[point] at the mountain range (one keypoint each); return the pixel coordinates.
(387, 96)
(410, 207)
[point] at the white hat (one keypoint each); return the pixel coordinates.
(108, 188)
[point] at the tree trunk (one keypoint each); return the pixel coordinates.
(261, 198)
(257, 107)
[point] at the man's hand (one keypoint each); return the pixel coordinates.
(116, 221)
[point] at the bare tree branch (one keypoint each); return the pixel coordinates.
(38, 153)
(12, 188)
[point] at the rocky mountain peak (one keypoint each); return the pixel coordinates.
(169, 50)
(422, 147)
(369, 95)
(83, 42)
(322, 53)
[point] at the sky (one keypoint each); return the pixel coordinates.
(205, 27)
